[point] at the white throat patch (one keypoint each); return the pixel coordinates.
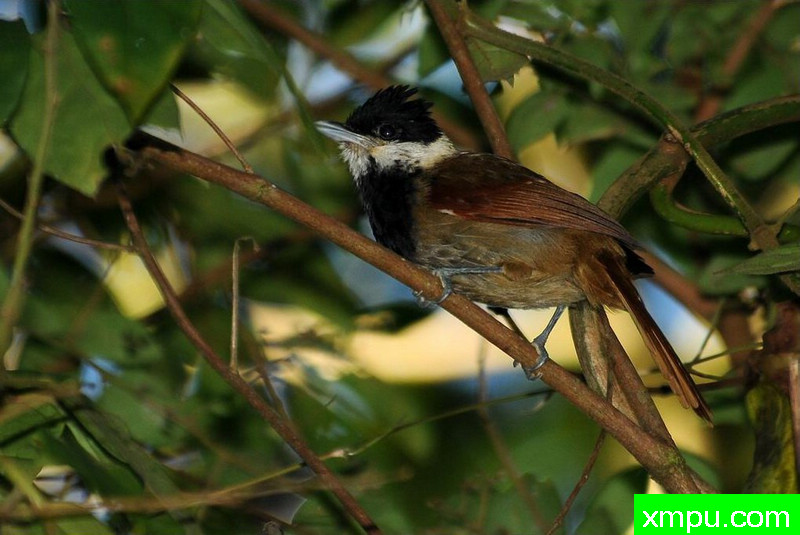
(406, 154)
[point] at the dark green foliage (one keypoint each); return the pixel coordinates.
(131, 412)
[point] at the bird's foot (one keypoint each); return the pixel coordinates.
(444, 275)
(447, 289)
(534, 372)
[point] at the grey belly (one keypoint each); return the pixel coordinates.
(480, 245)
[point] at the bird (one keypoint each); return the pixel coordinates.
(491, 229)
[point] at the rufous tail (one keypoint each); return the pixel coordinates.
(661, 350)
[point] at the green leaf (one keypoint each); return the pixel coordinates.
(123, 400)
(612, 509)
(230, 45)
(87, 119)
(535, 117)
(765, 159)
(432, 52)
(134, 45)
(99, 472)
(779, 260)
(715, 281)
(495, 63)
(15, 44)
(114, 437)
(27, 412)
(774, 465)
(164, 113)
(494, 504)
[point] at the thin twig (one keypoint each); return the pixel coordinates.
(15, 295)
(225, 139)
(484, 109)
(663, 462)
(234, 363)
(711, 103)
(500, 447)
(269, 15)
(283, 427)
(587, 470)
(53, 231)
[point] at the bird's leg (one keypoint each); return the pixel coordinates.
(444, 275)
(532, 372)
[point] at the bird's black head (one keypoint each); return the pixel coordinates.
(392, 115)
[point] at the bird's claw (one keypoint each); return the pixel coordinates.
(534, 372)
(447, 289)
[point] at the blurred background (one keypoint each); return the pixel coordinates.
(430, 427)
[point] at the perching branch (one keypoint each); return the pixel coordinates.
(283, 427)
(663, 462)
(592, 350)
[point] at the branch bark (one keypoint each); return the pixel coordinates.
(662, 461)
(283, 427)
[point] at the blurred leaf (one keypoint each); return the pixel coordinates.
(765, 81)
(134, 45)
(587, 121)
(432, 52)
(229, 44)
(612, 509)
(15, 45)
(304, 276)
(542, 15)
(774, 468)
(97, 471)
(60, 310)
(609, 166)
(111, 432)
(495, 63)
(493, 504)
(25, 413)
(347, 30)
(164, 112)
(206, 209)
(782, 259)
(763, 160)
(534, 118)
(65, 526)
(715, 281)
(122, 398)
(87, 119)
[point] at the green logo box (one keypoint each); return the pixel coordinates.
(668, 514)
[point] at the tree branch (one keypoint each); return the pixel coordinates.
(663, 462)
(270, 16)
(762, 235)
(283, 427)
(485, 110)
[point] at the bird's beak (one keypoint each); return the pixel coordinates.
(339, 133)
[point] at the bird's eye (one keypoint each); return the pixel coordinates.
(388, 132)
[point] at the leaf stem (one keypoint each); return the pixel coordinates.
(487, 114)
(15, 296)
(283, 427)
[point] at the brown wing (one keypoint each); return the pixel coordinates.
(485, 187)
